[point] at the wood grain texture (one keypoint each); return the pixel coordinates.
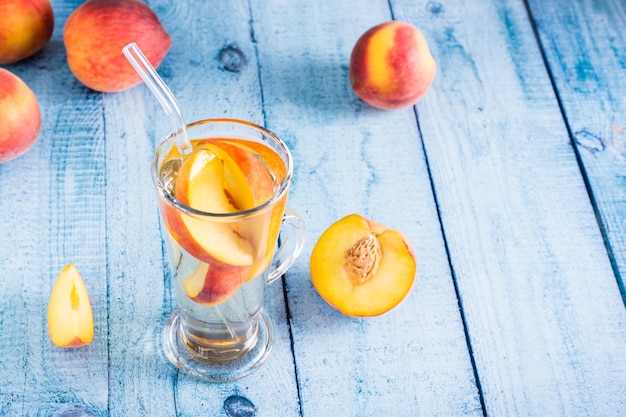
(516, 310)
(585, 45)
(544, 316)
(352, 158)
(52, 213)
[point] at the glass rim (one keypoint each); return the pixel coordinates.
(169, 141)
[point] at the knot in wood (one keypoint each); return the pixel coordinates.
(362, 259)
(232, 58)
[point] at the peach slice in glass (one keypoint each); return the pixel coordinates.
(70, 318)
(267, 242)
(201, 185)
(272, 161)
(236, 185)
(211, 285)
(261, 230)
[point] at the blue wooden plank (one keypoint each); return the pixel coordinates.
(351, 158)
(138, 293)
(51, 214)
(584, 43)
(544, 315)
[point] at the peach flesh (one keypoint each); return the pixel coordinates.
(362, 268)
(70, 318)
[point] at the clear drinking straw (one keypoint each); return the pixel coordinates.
(163, 94)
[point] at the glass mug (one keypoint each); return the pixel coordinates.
(222, 208)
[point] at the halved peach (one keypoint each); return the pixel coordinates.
(70, 318)
(361, 267)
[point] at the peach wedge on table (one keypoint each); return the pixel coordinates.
(361, 267)
(70, 318)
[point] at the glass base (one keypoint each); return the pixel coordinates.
(194, 365)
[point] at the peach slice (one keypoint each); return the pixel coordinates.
(201, 185)
(70, 319)
(194, 283)
(211, 285)
(241, 196)
(264, 154)
(361, 267)
(262, 167)
(267, 243)
(258, 164)
(253, 167)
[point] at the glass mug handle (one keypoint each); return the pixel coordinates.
(291, 242)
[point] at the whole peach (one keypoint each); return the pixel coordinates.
(95, 34)
(391, 66)
(25, 27)
(20, 117)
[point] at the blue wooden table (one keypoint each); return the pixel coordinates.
(509, 179)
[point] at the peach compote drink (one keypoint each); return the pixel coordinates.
(222, 206)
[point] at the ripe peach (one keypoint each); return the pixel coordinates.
(361, 267)
(25, 28)
(70, 318)
(97, 31)
(20, 117)
(391, 66)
